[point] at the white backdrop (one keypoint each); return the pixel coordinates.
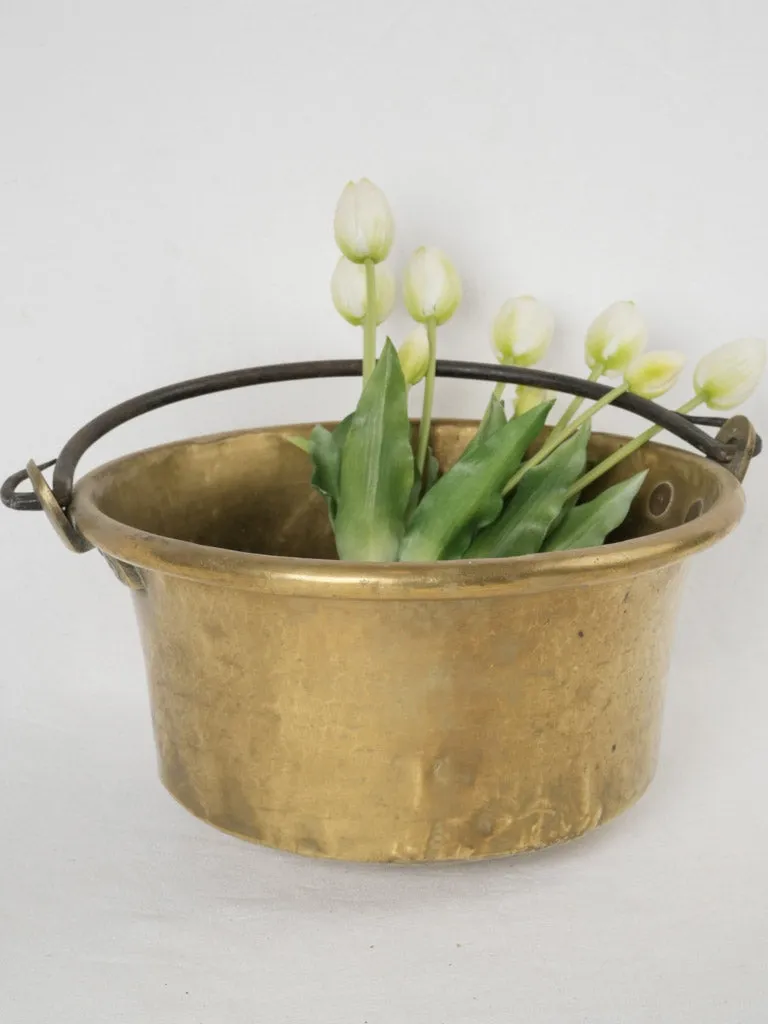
(169, 172)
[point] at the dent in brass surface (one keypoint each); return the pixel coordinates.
(411, 713)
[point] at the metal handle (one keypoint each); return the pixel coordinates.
(733, 447)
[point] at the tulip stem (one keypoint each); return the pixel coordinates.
(594, 374)
(369, 323)
(626, 450)
(555, 440)
(429, 394)
(498, 391)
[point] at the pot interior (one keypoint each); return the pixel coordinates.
(250, 490)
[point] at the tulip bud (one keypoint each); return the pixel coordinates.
(727, 377)
(616, 337)
(522, 331)
(654, 373)
(363, 224)
(527, 398)
(432, 287)
(349, 291)
(414, 355)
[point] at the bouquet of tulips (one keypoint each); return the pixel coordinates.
(387, 499)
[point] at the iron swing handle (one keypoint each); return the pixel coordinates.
(734, 446)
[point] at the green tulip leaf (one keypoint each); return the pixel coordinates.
(494, 418)
(420, 487)
(376, 474)
(298, 441)
(535, 503)
(324, 449)
(432, 471)
(468, 496)
(341, 430)
(567, 506)
(588, 525)
(326, 462)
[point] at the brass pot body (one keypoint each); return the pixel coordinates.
(450, 711)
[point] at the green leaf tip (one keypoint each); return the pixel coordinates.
(588, 525)
(468, 496)
(493, 419)
(298, 442)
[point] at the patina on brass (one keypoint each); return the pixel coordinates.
(448, 711)
(741, 437)
(56, 516)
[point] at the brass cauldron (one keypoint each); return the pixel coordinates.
(447, 711)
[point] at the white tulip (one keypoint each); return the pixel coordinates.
(431, 288)
(414, 355)
(527, 398)
(616, 337)
(522, 331)
(652, 374)
(727, 377)
(363, 224)
(349, 291)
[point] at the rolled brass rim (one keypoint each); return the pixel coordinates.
(307, 577)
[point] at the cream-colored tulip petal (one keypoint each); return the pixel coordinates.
(348, 290)
(385, 292)
(527, 398)
(727, 376)
(615, 338)
(431, 287)
(522, 331)
(414, 355)
(652, 374)
(363, 224)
